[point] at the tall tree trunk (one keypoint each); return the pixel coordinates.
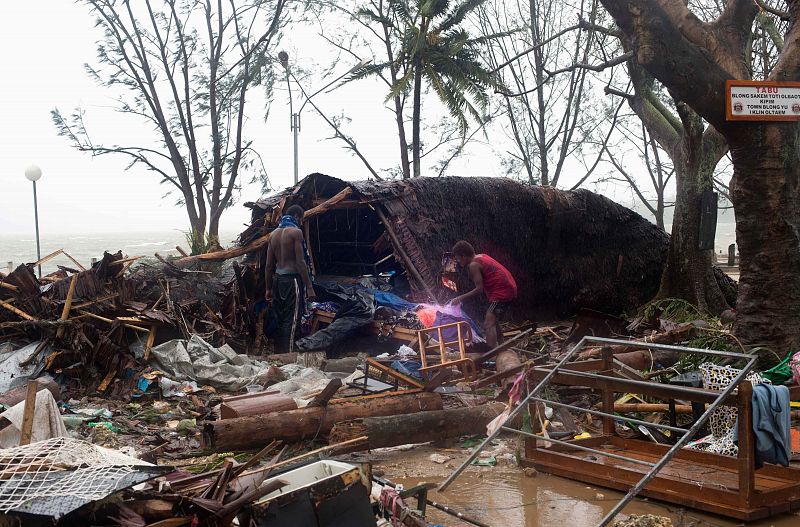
(417, 116)
(401, 132)
(541, 135)
(764, 190)
(213, 228)
(689, 272)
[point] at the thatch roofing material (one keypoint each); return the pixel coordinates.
(566, 249)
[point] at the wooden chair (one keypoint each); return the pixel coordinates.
(463, 334)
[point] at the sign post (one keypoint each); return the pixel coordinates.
(762, 101)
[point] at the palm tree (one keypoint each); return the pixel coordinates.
(435, 48)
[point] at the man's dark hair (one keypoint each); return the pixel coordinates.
(463, 248)
(296, 211)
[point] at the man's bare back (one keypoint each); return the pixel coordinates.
(285, 256)
(283, 242)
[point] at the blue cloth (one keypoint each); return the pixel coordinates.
(452, 333)
(771, 425)
(392, 301)
(290, 221)
(409, 368)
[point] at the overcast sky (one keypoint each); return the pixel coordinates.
(44, 45)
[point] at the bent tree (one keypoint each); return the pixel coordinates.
(183, 69)
(693, 59)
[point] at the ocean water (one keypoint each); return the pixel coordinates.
(83, 247)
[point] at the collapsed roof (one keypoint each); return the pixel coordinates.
(567, 249)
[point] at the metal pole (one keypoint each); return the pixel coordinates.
(446, 483)
(36, 218)
(296, 128)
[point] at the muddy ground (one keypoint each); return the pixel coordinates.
(504, 496)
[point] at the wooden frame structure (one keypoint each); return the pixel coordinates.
(729, 486)
(463, 332)
(724, 485)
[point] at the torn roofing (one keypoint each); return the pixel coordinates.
(566, 249)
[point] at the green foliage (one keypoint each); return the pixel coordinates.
(674, 309)
(200, 243)
(434, 46)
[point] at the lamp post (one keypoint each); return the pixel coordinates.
(294, 122)
(33, 173)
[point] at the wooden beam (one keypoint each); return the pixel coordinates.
(76, 262)
(106, 380)
(47, 258)
(327, 393)
(151, 338)
(328, 204)
(16, 311)
(394, 373)
(27, 414)
(10, 287)
(398, 247)
(67, 304)
(109, 321)
(255, 245)
(95, 301)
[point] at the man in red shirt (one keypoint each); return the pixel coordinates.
(490, 278)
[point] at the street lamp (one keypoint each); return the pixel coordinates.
(294, 122)
(33, 173)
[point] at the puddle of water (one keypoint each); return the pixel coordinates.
(505, 497)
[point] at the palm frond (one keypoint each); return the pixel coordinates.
(459, 14)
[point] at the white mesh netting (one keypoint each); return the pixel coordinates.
(61, 467)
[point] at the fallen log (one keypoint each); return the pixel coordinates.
(645, 360)
(681, 333)
(420, 427)
(293, 425)
(255, 404)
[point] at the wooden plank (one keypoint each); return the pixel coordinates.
(28, 412)
(771, 472)
(394, 373)
(109, 321)
(746, 456)
(106, 380)
(151, 338)
(491, 379)
(10, 287)
(96, 301)
(76, 262)
(47, 258)
(67, 304)
(662, 391)
(613, 480)
(327, 393)
(607, 395)
(399, 249)
(16, 311)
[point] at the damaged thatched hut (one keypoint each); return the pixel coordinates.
(567, 250)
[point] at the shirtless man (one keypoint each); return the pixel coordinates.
(491, 278)
(287, 278)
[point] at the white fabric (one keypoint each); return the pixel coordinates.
(47, 421)
(197, 360)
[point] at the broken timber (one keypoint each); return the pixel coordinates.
(256, 431)
(419, 427)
